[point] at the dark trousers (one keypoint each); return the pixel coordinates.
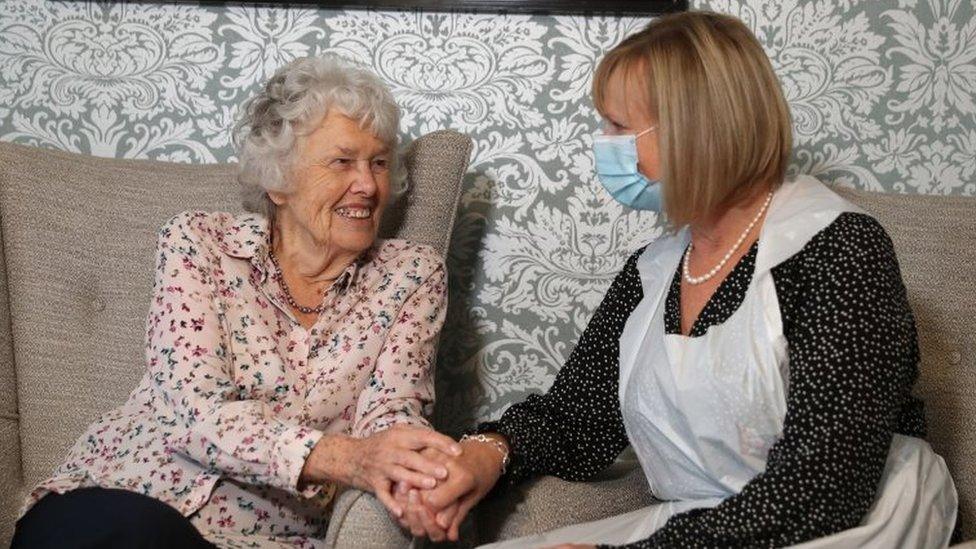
(100, 517)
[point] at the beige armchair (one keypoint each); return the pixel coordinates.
(77, 235)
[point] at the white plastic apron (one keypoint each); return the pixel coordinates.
(701, 413)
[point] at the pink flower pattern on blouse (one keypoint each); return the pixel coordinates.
(237, 392)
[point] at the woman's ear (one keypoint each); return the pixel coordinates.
(277, 197)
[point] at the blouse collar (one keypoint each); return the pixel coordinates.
(249, 237)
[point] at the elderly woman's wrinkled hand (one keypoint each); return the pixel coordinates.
(377, 462)
(394, 455)
(438, 512)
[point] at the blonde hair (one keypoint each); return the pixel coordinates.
(724, 129)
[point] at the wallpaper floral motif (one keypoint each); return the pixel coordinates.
(882, 95)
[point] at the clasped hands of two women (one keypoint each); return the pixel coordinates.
(426, 480)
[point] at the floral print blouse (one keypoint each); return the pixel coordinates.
(237, 392)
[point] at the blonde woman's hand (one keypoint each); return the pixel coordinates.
(471, 475)
(417, 517)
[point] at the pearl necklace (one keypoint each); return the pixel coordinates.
(284, 286)
(695, 280)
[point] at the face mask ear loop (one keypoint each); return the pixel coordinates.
(648, 130)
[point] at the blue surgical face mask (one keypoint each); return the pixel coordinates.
(616, 166)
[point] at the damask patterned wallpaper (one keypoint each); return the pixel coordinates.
(882, 93)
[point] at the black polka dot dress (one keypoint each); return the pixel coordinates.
(853, 359)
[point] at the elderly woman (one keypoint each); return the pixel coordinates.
(759, 359)
(289, 352)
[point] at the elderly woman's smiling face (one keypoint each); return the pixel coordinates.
(339, 188)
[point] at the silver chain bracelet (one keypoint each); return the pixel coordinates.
(499, 445)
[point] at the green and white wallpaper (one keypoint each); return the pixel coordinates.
(882, 93)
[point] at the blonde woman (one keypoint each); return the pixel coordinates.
(759, 359)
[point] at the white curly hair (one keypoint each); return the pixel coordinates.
(291, 104)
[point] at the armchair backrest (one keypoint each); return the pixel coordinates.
(935, 239)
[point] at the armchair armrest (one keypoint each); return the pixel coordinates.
(549, 502)
(11, 478)
(359, 520)
(11, 474)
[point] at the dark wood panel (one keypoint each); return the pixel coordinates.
(553, 7)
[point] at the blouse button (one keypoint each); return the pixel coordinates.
(955, 357)
(98, 305)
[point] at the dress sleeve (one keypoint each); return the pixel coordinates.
(575, 430)
(401, 389)
(188, 358)
(853, 358)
